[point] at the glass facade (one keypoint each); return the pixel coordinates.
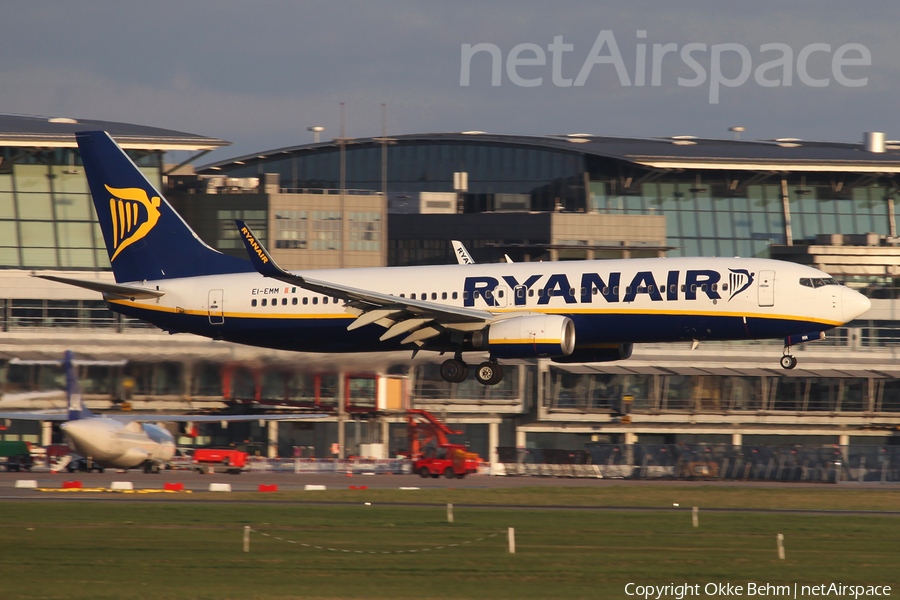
(47, 219)
(549, 177)
(718, 219)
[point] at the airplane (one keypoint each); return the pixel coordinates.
(576, 311)
(122, 441)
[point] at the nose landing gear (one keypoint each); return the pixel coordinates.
(788, 361)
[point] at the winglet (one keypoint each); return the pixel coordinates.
(462, 255)
(259, 256)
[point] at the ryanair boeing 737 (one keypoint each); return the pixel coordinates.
(580, 311)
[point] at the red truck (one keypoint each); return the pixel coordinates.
(440, 457)
(231, 461)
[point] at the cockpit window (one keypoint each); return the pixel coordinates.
(818, 281)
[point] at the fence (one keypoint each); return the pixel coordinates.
(709, 461)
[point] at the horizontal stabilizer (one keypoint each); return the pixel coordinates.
(109, 289)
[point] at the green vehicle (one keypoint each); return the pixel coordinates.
(15, 456)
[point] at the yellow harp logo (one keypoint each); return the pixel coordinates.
(129, 222)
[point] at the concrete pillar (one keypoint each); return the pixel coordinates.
(737, 439)
(273, 439)
(630, 439)
(342, 415)
(46, 433)
(385, 437)
(843, 440)
(493, 442)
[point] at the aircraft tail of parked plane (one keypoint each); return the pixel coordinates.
(572, 311)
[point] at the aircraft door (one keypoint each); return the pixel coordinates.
(501, 296)
(216, 307)
(766, 288)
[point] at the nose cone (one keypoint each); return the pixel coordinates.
(854, 304)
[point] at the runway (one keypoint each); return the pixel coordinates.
(250, 481)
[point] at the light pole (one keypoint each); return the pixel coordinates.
(316, 131)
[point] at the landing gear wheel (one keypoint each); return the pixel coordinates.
(788, 361)
(489, 373)
(454, 371)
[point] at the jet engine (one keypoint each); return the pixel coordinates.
(528, 336)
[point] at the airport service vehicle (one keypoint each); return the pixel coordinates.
(123, 441)
(206, 460)
(15, 456)
(431, 451)
(573, 311)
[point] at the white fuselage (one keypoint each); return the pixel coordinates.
(118, 444)
(610, 301)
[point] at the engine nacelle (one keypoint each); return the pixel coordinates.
(528, 336)
(604, 353)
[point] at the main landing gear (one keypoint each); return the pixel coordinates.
(455, 370)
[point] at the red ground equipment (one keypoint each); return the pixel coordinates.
(431, 451)
(231, 461)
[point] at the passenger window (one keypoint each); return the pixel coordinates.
(627, 289)
(305, 301)
(540, 292)
(530, 293)
(263, 301)
(403, 295)
(253, 302)
(412, 296)
(651, 289)
(444, 296)
(693, 288)
(499, 293)
(683, 287)
(672, 289)
(714, 287)
(520, 292)
(703, 288)
(454, 295)
(315, 300)
(724, 287)
(606, 291)
(284, 301)
(294, 301)
(571, 292)
(325, 300)
(615, 290)
(434, 295)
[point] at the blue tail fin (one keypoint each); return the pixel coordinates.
(77, 409)
(145, 237)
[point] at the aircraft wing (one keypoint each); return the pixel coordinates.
(154, 418)
(107, 289)
(151, 418)
(420, 319)
(36, 416)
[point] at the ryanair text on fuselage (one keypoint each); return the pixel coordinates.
(677, 286)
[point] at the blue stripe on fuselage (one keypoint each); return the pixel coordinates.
(329, 333)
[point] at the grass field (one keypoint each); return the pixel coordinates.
(84, 549)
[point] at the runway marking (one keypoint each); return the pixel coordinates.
(269, 535)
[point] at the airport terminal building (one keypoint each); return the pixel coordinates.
(399, 201)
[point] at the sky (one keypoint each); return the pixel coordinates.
(259, 73)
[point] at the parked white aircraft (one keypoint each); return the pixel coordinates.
(123, 441)
(578, 311)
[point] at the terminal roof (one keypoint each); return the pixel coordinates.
(679, 152)
(57, 132)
